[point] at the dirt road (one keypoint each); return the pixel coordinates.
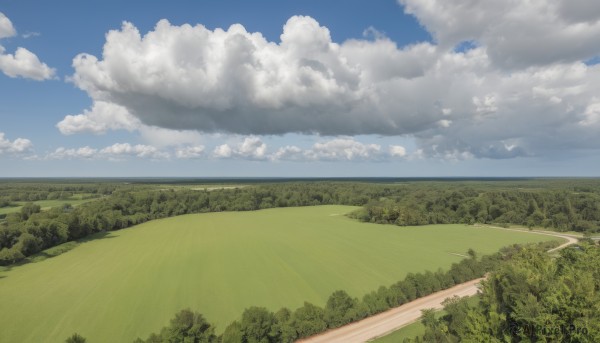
(571, 239)
(391, 320)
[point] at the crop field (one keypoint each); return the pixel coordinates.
(129, 283)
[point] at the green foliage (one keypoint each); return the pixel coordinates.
(76, 338)
(549, 203)
(534, 298)
(256, 325)
(283, 328)
(188, 327)
(340, 309)
(555, 206)
(308, 320)
(233, 333)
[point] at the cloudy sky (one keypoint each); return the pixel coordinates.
(300, 88)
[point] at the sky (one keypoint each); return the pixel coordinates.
(299, 88)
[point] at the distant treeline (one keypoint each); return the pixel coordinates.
(561, 204)
(25, 192)
(558, 209)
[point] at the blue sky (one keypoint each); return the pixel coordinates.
(342, 88)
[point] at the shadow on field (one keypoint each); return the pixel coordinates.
(55, 251)
(96, 236)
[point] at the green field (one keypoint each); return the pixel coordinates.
(131, 282)
(46, 204)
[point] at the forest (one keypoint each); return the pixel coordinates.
(535, 298)
(558, 204)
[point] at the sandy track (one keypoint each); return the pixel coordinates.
(383, 323)
(571, 239)
(391, 320)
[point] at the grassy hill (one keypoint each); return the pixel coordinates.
(131, 282)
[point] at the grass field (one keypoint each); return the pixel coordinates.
(131, 282)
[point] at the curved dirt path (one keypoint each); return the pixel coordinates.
(392, 320)
(571, 239)
(388, 321)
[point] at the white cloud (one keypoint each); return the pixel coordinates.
(18, 146)
(23, 63)
(397, 151)
(516, 33)
(251, 148)
(6, 27)
(289, 153)
(343, 149)
(223, 151)
(160, 137)
(491, 101)
(337, 149)
(591, 114)
(486, 105)
(190, 152)
(30, 34)
(74, 153)
(445, 123)
(119, 150)
(103, 116)
(188, 77)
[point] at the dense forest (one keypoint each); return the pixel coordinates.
(557, 209)
(535, 298)
(258, 324)
(557, 204)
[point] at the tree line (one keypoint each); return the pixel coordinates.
(558, 204)
(535, 298)
(11, 192)
(561, 210)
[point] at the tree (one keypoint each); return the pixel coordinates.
(338, 309)
(283, 326)
(28, 209)
(233, 333)
(9, 256)
(76, 338)
(257, 325)
(533, 298)
(308, 320)
(472, 254)
(188, 326)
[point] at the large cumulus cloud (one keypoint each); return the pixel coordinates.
(501, 99)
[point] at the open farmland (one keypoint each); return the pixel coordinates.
(131, 281)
